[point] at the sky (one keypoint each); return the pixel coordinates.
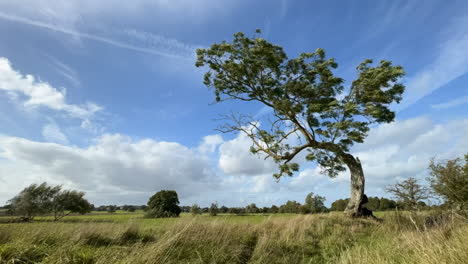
(104, 97)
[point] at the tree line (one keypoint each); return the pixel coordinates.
(448, 180)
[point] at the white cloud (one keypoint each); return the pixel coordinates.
(35, 93)
(236, 159)
(210, 143)
(393, 152)
(452, 103)
(52, 133)
(113, 164)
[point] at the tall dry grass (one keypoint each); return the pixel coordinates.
(331, 238)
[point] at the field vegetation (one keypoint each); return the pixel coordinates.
(122, 237)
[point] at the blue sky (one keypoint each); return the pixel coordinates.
(104, 96)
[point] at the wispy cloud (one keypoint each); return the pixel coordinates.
(451, 63)
(158, 46)
(52, 133)
(64, 70)
(452, 103)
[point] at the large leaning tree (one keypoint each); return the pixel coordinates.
(313, 111)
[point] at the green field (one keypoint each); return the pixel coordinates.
(277, 238)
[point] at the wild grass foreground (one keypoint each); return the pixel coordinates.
(281, 238)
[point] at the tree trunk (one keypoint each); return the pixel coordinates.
(354, 207)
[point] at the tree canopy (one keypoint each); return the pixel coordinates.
(409, 193)
(449, 179)
(43, 199)
(164, 204)
(308, 100)
(315, 203)
(312, 109)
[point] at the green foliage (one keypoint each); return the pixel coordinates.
(34, 200)
(290, 207)
(307, 99)
(274, 209)
(449, 179)
(111, 209)
(214, 209)
(409, 193)
(252, 209)
(315, 203)
(42, 199)
(339, 205)
(163, 204)
(69, 201)
(195, 210)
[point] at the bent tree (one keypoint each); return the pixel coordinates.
(312, 109)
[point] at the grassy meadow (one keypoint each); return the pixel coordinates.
(277, 238)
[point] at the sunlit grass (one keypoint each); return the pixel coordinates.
(276, 238)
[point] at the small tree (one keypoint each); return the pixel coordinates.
(34, 200)
(111, 209)
(223, 209)
(315, 203)
(252, 209)
(386, 204)
(290, 207)
(43, 199)
(69, 201)
(449, 179)
(339, 205)
(214, 209)
(131, 209)
(274, 209)
(163, 204)
(312, 111)
(195, 210)
(409, 192)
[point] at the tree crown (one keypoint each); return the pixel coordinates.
(307, 99)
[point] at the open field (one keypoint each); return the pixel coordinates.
(277, 238)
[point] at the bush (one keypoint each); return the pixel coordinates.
(195, 210)
(163, 204)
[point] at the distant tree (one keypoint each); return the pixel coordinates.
(409, 192)
(237, 210)
(214, 209)
(291, 207)
(307, 101)
(163, 204)
(264, 210)
(34, 200)
(195, 210)
(131, 208)
(386, 204)
(274, 209)
(111, 209)
(185, 209)
(373, 204)
(315, 203)
(304, 209)
(224, 209)
(252, 209)
(339, 205)
(69, 201)
(449, 179)
(43, 199)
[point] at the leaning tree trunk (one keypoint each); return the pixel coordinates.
(354, 207)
